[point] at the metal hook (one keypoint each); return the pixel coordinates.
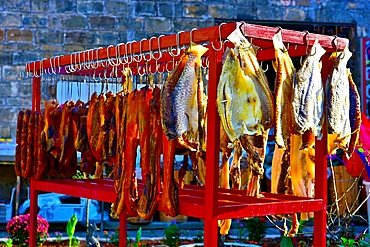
(307, 40)
(108, 56)
(126, 49)
(159, 48)
(150, 50)
(267, 67)
(118, 54)
(279, 29)
(341, 56)
(219, 31)
(170, 50)
(138, 56)
(191, 36)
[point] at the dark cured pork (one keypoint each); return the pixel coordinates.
(93, 126)
(18, 140)
(169, 203)
(30, 146)
(119, 171)
(26, 118)
(131, 143)
(66, 134)
(40, 168)
(149, 199)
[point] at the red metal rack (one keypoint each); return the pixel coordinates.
(209, 202)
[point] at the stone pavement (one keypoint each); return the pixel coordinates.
(154, 229)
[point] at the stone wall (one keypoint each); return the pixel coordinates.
(33, 29)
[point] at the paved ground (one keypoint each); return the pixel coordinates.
(154, 229)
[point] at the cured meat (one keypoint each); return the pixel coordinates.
(337, 102)
(18, 141)
(94, 123)
(236, 176)
(53, 141)
(39, 172)
(108, 113)
(119, 171)
(237, 101)
(225, 224)
(143, 102)
(149, 199)
(308, 96)
(178, 95)
(354, 114)
(169, 202)
(131, 143)
(36, 139)
(300, 166)
(66, 135)
(283, 92)
(26, 119)
(27, 173)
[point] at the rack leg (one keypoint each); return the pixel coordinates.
(210, 232)
(33, 215)
(123, 229)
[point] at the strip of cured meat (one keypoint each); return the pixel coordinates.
(149, 199)
(18, 140)
(354, 114)
(285, 70)
(169, 202)
(225, 224)
(66, 135)
(39, 172)
(93, 126)
(235, 166)
(119, 171)
(131, 144)
(107, 110)
(27, 173)
(26, 119)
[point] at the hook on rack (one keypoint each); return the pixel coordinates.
(267, 67)
(178, 50)
(341, 56)
(159, 48)
(191, 36)
(220, 36)
(279, 29)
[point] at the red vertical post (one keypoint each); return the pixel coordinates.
(321, 185)
(33, 214)
(36, 99)
(213, 150)
(123, 229)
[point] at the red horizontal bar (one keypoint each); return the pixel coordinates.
(273, 208)
(257, 32)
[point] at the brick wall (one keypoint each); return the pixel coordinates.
(33, 29)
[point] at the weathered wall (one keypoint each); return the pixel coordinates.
(33, 29)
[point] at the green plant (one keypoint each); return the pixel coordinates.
(135, 242)
(18, 228)
(172, 234)
(71, 227)
(58, 235)
(242, 230)
(114, 237)
(361, 240)
(199, 238)
(256, 228)
(8, 243)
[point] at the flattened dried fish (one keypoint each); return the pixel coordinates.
(308, 94)
(238, 103)
(337, 103)
(178, 94)
(283, 92)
